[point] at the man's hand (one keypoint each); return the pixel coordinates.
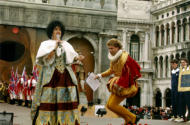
(58, 42)
(80, 57)
(96, 77)
(50, 55)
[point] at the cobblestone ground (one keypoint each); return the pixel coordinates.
(22, 117)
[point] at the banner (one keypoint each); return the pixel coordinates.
(184, 80)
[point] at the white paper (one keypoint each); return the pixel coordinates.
(94, 84)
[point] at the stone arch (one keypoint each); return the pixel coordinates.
(158, 97)
(167, 34)
(166, 65)
(183, 55)
(177, 56)
(171, 57)
(92, 42)
(178, 30)
(173, 32)
(162, 35)
(184, 29)
(167, 95)
(10, 39)
(157, 36)
(156, 66)
(87, 47)
(161, 63)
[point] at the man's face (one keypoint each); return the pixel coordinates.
(183, 63)
(113, 50)
(174, 65)
(56, 31)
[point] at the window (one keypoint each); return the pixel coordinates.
(167, 14)
(166, 71)
(173, 31)
(173, 12)
(157, 36)
(185, 8)
(44, 1)
(178, 10)
(178, 31)
(184, 29)
(168, 34)
(162, 35)
(156, 66)
(161, 67)
(134, 47)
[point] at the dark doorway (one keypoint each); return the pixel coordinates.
(168, 97)
(158, 99)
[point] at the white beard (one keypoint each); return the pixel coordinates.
(115, 57)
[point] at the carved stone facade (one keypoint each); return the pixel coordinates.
(171, 37)
(146, 28)
(134, 22)
(91, 27)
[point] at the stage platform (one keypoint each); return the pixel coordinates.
(22, 117)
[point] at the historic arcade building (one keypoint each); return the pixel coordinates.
(152, 31)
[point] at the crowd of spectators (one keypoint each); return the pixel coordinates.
(148, 112)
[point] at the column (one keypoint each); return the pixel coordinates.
(187, 29)
(163, 100)
(158, 75)
(169, 67)
(145, 93)
(181, 40)
(142, 55)
(100, 54)
(176, 32)
(164, 67)
(146, 46)
(124, 39)
(154, 35)
(151, 91)
(170, 33)
(160, 34)
(165, 34)
(141, 82)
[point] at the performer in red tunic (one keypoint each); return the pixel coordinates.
(19, 89)
(31, 88)
(126, 71)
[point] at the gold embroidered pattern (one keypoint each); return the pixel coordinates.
(59, 65)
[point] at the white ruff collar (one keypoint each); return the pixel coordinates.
(115, 57)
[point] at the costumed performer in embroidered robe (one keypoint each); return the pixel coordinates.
(126, 71)
(56, 100)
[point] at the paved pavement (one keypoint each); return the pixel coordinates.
(22, 117)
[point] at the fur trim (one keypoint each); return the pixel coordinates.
(115, 57)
